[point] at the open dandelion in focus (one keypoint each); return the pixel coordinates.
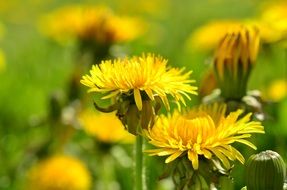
(105, 127)
(59, 173)
(135, 84)
(202, 134)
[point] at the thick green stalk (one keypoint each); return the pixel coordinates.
(139, 163)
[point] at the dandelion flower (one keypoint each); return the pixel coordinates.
(106, 127)
(142, 77)
(204, 132)
(59, 173)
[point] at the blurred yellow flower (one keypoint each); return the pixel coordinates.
(2, 30)
(94, 23)
(106, 127)
(145, 77)
(277, 90)
(208, 36)
(2, 60)
(59, 173)
(275, 17)
(234, 59)
(155, 8)
(202, 133)
(2, 55)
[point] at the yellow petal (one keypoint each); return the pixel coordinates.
(194, 159)
(243, 141)
(173, 157)
(138, 99)
(149, 93)
(221, 157)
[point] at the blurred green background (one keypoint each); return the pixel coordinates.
(36, 66)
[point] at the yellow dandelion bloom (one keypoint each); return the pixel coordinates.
(202, 133)
(95, 23)
(139, 76)
(106, 127)
(59, 173)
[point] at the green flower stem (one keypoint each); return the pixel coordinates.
(139, 163)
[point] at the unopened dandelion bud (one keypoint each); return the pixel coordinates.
(265, 170)
(234, 60)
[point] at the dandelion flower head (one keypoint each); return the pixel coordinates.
(146, 76)
(204, 132)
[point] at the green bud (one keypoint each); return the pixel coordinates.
(265, 170)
